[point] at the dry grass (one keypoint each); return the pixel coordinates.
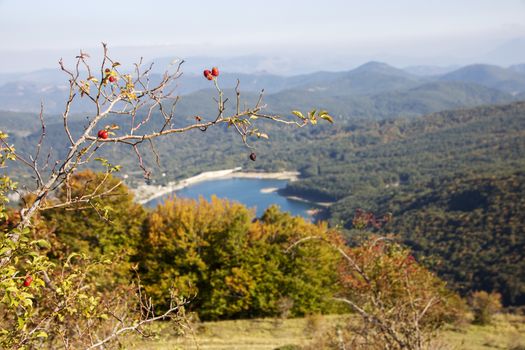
(507, 332)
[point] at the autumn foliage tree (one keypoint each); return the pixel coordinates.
(110, 226)
(400, 303)
(234, 265)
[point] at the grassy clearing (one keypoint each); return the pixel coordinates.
(507, 332)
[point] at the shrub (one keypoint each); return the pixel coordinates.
(485, 305)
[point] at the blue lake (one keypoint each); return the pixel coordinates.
(254, 193)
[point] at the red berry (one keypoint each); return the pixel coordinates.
(27, 281)
(102, 134)
(215, 71)
(112, 79)
(253, 156)
(107, 70)
(209, 77)
(206, 73)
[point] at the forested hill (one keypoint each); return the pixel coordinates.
(471, 230)
(355, 162)
(454, 182)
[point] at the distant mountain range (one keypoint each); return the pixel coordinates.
(374, 90)
(510, 80)
(430, 70)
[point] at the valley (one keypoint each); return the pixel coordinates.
(401, 144)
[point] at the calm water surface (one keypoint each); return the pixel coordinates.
(250, 192)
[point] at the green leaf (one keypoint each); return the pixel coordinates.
(41, 334)
(71, 256)
(21, 322)
(42, 243)
(298, 114)
(28, 302)
(327, 118)
(102, 160)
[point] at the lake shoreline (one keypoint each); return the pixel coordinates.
(146, 193)
(300, 199)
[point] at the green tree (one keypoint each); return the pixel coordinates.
(109, 226)
(236, 267)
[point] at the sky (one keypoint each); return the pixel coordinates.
(35, 33)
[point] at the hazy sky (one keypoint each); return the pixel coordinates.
(423, 29)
